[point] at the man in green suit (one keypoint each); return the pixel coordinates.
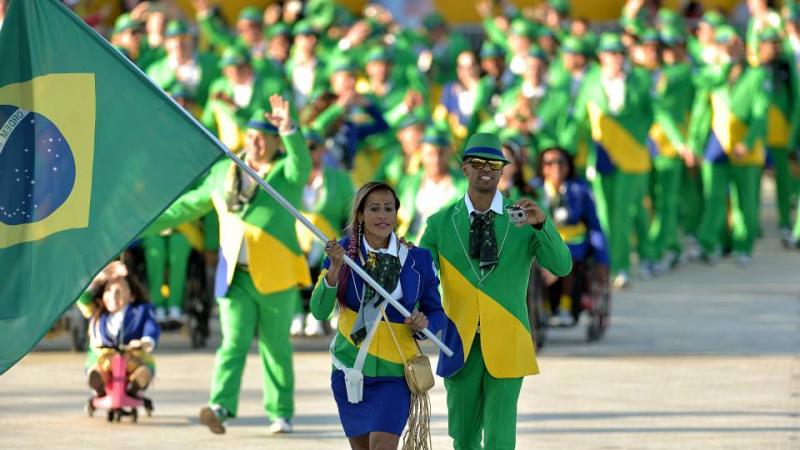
(261, 266)
(182, 66)
(234, 97)
(484, 264)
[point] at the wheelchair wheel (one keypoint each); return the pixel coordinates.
(600, 312)
(90, 409)
(198, 300)
(536, 313)
(79, 335)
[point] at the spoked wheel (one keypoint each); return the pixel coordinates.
(601, 311)
(90, 408)
(536, 313)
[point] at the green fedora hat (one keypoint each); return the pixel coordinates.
(486, 146)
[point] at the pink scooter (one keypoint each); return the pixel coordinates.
(116, 399)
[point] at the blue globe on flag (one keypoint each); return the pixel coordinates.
(37, 167)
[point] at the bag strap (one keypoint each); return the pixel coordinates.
(394, 337)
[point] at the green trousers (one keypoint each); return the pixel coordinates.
(796, 231)
(161, 252)
(690, 206)
(743, 184)
(244, 313)
(619, 197)
(478, 403)
(784, 185)
(663, 233)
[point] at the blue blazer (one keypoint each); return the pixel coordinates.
(139, 321)
(418, 280)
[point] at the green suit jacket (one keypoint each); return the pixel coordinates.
(495, 299)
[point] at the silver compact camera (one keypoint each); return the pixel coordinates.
(516, 214)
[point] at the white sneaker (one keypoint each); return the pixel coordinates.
(566, 319)
(175, 314)
(313, 326)
(161, 315)
(297, 326)
(646, 270)
(622, 280)
(743, 260)
(786, 237)
(280, 426)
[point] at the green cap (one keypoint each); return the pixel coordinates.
(234, 56)
(343, 17)
(484, 145)
(666, 16)
(672, 36)
(769, 35)
(342, 64)
(260, 123)
(521, 27)
(536, 52)
(649, 36)
(491, 50)
(304, 27)
(545, 32)
(313, 136)
(176, 28)
(378, 54)
(126, 22)
(573, 45)
(433, 20)
(251, 14)
(436, 136)
(713, 18)
(561, 6)
(279, 29)
(610, 42)
(725, 34)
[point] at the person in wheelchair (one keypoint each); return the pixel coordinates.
(119, 315)
(571, 205)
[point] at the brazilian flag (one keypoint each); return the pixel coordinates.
(91, 152)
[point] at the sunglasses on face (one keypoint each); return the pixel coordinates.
(479, 163)
(553, 162)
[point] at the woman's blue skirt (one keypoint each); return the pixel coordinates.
(384, 407)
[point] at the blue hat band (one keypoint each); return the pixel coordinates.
(472, 151)
(264, 127)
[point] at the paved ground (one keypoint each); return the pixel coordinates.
(707, 357)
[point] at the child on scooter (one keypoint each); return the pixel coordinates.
(116, 304)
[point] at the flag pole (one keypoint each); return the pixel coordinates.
(321, 236)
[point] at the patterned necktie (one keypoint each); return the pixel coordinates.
(482, 239)
(385, 269)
